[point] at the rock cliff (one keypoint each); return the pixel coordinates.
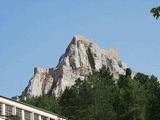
(80, 57)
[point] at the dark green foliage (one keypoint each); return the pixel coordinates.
(45, 102)
(128, 72)
(156, 12)
(99, 97)
(68, 103)
(104, 93)
(74, 102)
(152, 89)
(131, 100)
(103, 99)
(141, 78)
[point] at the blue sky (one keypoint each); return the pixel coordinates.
(36, 33)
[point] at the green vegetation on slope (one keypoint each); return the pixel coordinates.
(102, 98)
(46, 102)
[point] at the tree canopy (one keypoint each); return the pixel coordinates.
(156, 12)
(100, 97)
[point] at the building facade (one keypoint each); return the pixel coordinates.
(9, 107)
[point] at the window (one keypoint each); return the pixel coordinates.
(36, 116)
(19, 112)
(43, 118)
(27, 115)
(8, 110)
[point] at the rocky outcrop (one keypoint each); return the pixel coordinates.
(80, 57)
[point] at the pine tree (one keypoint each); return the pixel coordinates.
(131, 100)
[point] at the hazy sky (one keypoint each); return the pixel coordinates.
(36, 33)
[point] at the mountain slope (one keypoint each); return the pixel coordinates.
(78, 61)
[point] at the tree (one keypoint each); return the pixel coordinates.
(152, 91)
(69, 103)
(156, 12)
(104, 90)
(90, 99)
(131, 101)
(46, 102)
(100, 97)
(128, 72)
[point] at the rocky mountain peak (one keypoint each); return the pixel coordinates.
(80, 58)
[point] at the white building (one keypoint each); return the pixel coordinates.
(9, 107)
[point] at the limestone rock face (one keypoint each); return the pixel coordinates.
(80, 57)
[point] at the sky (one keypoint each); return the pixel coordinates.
(35, 33)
